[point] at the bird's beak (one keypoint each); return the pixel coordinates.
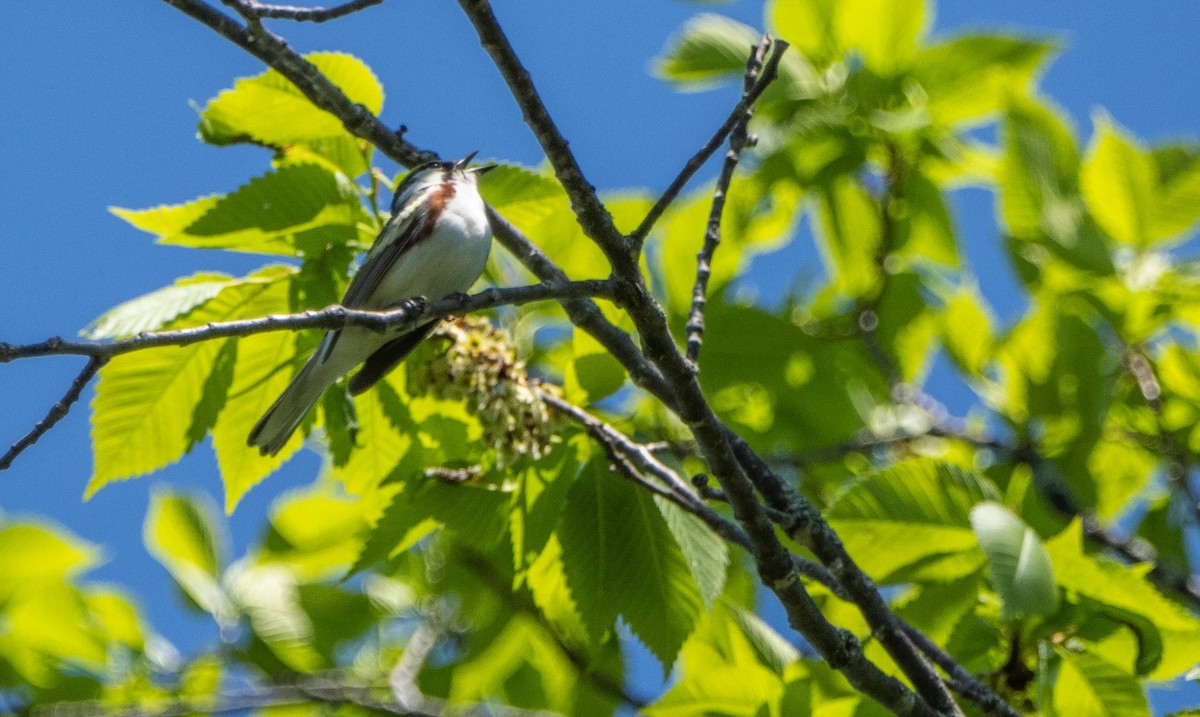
(462, 163)
(482, 169)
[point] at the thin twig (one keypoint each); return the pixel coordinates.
(57, 412)
(624, 452)
(739, 115)
(712, 235)
(406, 315)
(306, 14)
(962, 681)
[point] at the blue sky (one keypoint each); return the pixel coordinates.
(98, 111)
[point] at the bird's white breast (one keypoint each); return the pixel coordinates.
(449, 260)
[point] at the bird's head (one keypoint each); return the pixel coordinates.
(436, 173)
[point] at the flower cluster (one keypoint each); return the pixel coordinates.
(481, 368)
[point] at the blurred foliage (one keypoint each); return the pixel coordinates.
(528, 566)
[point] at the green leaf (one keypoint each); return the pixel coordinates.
(774, 381)
(541, 490)
(1178, 170)
(295, 209)
(967, 331)
(925, 230)
(743, 691)
(1119, 182)
(537, 205)
(1017, 560)
(620, 558)
(523, 196)
(848, 236)
(313, 532)
(48, 629)
(886, 32)
(708, 50)
(116, 617)
(183, 535)
(40, 553)
(200, 682)
(473, 510)
(593, 374)
(733, 665)
(907, 326)
(153, 406)
(1040, 199)
(769, 646)
(1088, 686)
(911, 521)
(760, 214)
(265, 365)
(1166, 631)
(270, 597)
(386, 437)
(970, 78)
(268, 109)
(158, 308)
(706, 552)
(809, 25)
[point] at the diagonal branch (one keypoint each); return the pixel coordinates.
(739, 116)
(636, 461)
(712, 235)
(774, 561)
(57, 412)
(305, 14)
(593, 216)
(276, 53)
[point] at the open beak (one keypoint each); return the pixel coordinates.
(461, 164)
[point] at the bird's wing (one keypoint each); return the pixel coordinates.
(397, 235)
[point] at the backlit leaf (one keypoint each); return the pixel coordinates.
(1018, 563)
(620, 558)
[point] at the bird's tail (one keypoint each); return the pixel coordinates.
(284, 416)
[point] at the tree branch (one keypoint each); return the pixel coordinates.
(57, 412)
(276, 53)
(625, 453)
(593, 216)
(712, 235)
(407, 314)
(304, 14)
(740, 115)
(774, 562)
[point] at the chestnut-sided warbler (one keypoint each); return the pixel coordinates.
(435, 244)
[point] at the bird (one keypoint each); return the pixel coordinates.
(435, 244)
